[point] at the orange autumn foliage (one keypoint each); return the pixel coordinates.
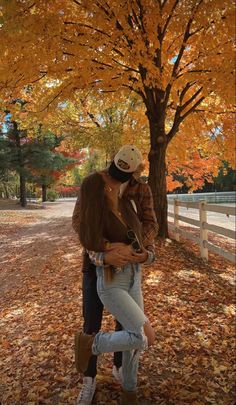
(177, 56)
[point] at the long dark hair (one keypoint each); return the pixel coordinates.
(93, 208)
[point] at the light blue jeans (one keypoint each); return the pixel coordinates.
(122, 297)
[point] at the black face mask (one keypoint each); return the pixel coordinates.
(118, 174)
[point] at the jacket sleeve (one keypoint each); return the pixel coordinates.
(96, 258)
(147, 215)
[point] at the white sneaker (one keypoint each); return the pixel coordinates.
(117, 374)
(87, 391)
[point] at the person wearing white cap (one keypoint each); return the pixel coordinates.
(109, 228)
(125, 163)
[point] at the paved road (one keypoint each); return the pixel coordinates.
(214, 218)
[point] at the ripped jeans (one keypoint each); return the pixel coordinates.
(122, 297)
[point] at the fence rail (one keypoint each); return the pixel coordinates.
(203, 226)
(213, 197)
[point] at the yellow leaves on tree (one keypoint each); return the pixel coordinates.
(176, 55)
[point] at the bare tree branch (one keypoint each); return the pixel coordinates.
(68, 54)
(139, 3)
(101, 63)
(87, 26)
(162, 3)
(185, 89)
(67, 40)
(169, 18)
(40, 78)
(55, 97)
(191, 99)
(50, 102)
(178, 119)
(216, 112)
(128, 68)
(76, 2)
(192, 108)
(186, 36)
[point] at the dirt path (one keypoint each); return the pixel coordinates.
(40, 287)
(36, 235)
(189, 303)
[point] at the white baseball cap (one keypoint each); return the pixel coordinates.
(125, 162)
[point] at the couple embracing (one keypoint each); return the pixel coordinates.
(116, 224)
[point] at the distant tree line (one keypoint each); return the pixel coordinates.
(25, 160)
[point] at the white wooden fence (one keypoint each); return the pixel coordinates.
(203, 226)
(213, 197)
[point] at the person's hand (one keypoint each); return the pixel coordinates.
(116, 258)
(140, 257)
(126, 250)
(134, 257)
(119, 254)
(114, 246)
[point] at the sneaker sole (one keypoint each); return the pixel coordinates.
(94, 399)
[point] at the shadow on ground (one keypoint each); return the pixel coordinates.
(189, 303)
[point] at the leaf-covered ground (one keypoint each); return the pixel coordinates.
(190, 304)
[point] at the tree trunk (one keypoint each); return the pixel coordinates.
(6, 191)
(21, 170)
(44, 193)
(23, 199)
(157, 175)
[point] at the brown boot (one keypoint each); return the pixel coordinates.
(129, 398)
(83, 350)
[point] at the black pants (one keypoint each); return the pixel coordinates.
(92, 313)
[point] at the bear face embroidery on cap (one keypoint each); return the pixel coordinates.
(125, 162)
(122, 164)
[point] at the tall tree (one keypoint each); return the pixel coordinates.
(36, 160)
(175, 54)
(7, 178)
(13, 149)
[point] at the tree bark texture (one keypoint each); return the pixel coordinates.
(44, 193)
(157, 174)
(23, 199)
(21, 170)
(6, 192)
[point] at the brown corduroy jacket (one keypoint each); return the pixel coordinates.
(140, 192)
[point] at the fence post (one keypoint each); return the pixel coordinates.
(176, 220)
(203, 232)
